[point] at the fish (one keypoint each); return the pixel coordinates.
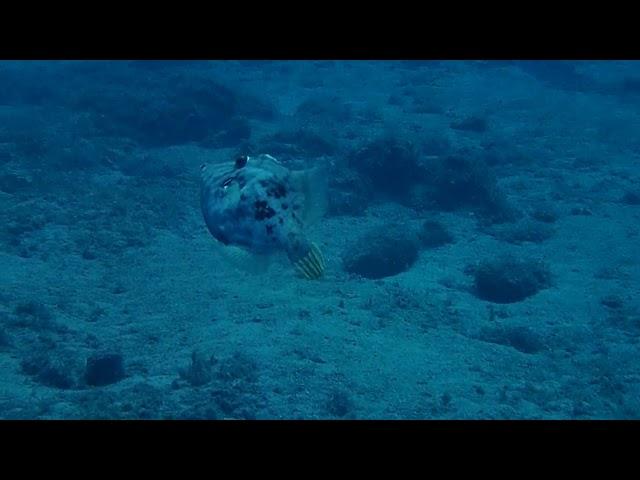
(257, 204)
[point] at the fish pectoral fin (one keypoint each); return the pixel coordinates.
(311, 265)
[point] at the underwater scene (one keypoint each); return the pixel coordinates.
(319, 239)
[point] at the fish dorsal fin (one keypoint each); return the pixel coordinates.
(313, 185)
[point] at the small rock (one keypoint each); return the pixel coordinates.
(509, 280)
(613, 302)
(339, 403)
(471, 124)
(35, 315)
(521, 338)
(199, 371)
(434, 234)
(89, 254)
(12, 183)
(631, 198)
(104, 369)
(390, 164)
(52, 369)
(382, 252)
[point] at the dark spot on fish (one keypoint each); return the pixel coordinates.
(280, 221)
(296, 207)
(285, 206)
(269, 229)
(277, 190)
(243, 196)
(273, 189)
(263, 210)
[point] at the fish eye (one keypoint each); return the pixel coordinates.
(241, 161)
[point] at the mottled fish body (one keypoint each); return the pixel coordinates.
(258, 204)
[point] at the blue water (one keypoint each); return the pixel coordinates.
(480, 240)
